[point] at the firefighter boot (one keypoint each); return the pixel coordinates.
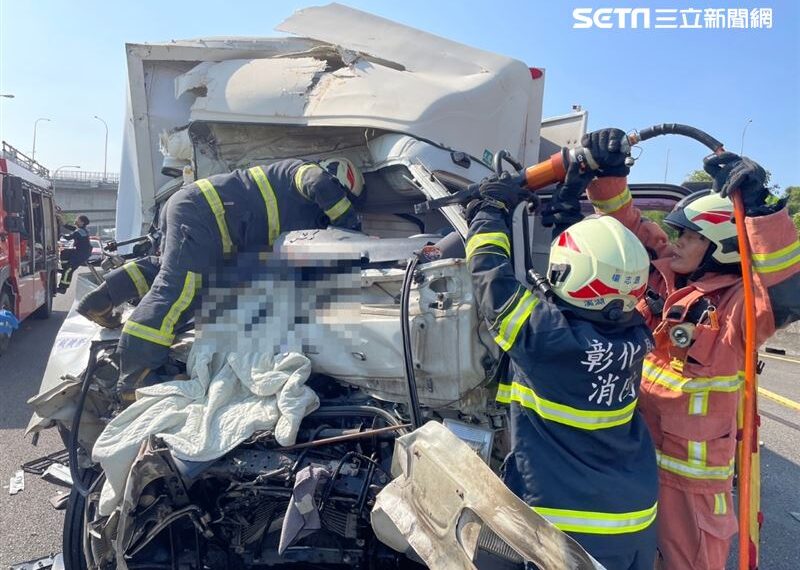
(98, 307)
(130, 381)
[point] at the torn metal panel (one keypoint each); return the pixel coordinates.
(378, 37)
(44, 563)
(251, 91)
(445, 500)
(58, 474)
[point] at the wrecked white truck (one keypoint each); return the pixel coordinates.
(354, 484)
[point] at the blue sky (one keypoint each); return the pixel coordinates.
(66, 61)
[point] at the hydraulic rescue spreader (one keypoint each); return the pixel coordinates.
(554, 170)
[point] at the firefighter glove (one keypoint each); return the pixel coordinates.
(564, 208)
(606, 149)
(502, 195)
(731, 171)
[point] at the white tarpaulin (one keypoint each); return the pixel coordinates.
(227, 399)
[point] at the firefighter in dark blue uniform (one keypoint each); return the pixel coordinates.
(77, 255)
(581, 454)
(204, 223)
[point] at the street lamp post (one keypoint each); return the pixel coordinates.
(744, 130)
(55, 172)
(35, 124)
(7, 95)
(105, 150)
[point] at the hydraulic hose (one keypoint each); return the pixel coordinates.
(405, 330)
(677, 129)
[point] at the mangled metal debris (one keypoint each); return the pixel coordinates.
(447, 507)
(53, 562)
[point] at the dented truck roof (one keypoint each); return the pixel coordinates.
(343, 68)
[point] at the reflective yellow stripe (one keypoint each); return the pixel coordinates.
(136, 276)
(777, 260)
(599, 523)
(514, 321)
(212, 197)
(497, 239)
(697, 452)
(668, 378)
(165, 335)
(190, 286)
(692, 470)
(338, 209)
(698, 403)
(270, 201)
(146, 333)
(298, 178)
(509, 305)
(613, 204)
(789, 250)
(720, 504)
(66, 276)
(560, 413)
(503, 393)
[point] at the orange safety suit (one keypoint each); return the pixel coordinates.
(689, 397)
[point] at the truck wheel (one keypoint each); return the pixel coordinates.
(5, 303)
(72, 539)
(46, 310)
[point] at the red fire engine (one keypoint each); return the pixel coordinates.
(28, 238)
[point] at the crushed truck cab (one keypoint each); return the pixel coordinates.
(422, 117)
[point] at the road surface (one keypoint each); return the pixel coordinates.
(31, 528)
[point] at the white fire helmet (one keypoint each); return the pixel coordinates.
(346, 173)
(597, 262)
(710, 215)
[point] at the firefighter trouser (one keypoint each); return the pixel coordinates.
(631, 551)
(695, 529)
(133, 280)
(191, 246)
(70, 261)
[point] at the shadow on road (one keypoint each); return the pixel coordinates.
(22, 367)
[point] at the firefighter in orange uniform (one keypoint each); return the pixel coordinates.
(691, 381)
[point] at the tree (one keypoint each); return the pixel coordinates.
(792, 194)
(658, 217)
(699, 175)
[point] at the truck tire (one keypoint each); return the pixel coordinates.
(46, 310)
(5, 303)
(72, 538)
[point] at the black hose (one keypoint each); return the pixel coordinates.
(77, 481)
(677, 129)
(343, 411)
(405, 330)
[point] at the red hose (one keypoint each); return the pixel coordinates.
(749, 400)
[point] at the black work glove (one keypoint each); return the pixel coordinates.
(605, 147)
(731, 171)
(497, 194)
(564, 208)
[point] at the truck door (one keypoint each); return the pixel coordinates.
(51, 230)
(5, 238)
(26, 276)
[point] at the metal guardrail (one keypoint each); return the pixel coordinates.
(25, 161)
(88, 176)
